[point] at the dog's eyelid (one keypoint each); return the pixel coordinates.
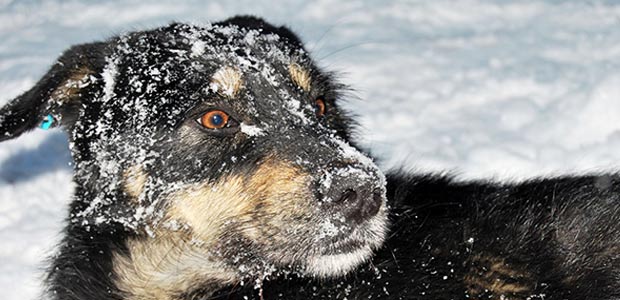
(233, 123)
(208, 105)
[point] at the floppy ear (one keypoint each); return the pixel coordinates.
(57, 97)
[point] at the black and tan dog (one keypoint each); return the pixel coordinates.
(215, 162)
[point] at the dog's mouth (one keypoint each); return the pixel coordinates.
(370, 238)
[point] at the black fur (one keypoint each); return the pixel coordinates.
(552, 238)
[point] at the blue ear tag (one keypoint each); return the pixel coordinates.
(47, 122)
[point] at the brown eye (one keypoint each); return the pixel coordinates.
(319, 107)
(215, 119)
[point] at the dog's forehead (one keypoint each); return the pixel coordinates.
(175, 68)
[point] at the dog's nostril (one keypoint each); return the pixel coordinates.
(349, 196)
(373, 206)
(377, 196)
(340, 164)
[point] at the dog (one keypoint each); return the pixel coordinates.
(214, 162)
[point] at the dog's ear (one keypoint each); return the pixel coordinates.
(56, 99)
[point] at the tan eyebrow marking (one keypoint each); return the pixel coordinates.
(227, 81)
(300, 76)
(135, 181)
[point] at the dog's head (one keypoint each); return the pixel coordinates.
(226, 137)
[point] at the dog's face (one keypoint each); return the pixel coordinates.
(225, 137)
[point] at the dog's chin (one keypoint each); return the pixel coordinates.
(338, 264)
(343, 256)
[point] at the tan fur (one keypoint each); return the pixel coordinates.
(300, 76)
(207, 206)
(69, 89)
(172, 261)
(283, 192)
(227, 81)
(491, 274)
(166, 266)
(134, 181)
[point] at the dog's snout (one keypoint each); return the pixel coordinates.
(352, 191)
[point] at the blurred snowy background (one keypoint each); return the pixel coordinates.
(484, 89)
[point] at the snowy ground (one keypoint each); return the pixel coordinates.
(486, 89)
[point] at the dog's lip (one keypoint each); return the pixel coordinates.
(343, 247)
(356, 237)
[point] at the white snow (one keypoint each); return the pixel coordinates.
(198, 48)
(251, 130)
(109, 78)
(490, 89)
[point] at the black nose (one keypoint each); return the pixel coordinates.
(353, 192)
(361, 204)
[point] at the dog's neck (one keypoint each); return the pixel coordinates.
(168, 267)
